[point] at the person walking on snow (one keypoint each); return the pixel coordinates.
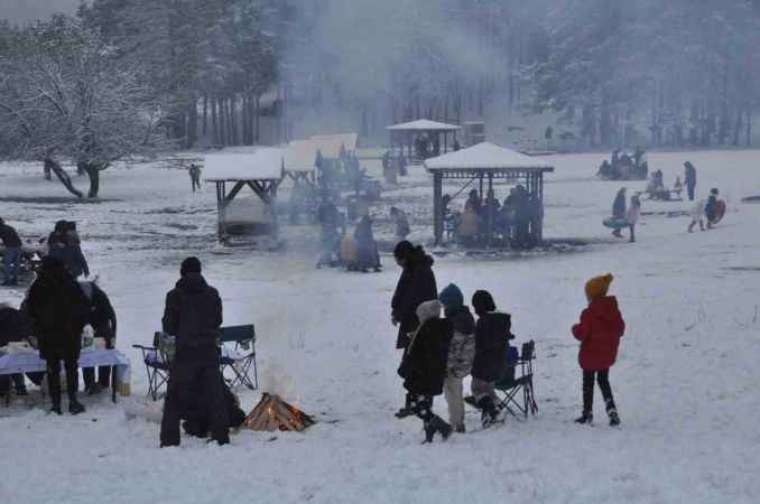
(11, 253)
(600, 328)
(632, 215)
(619, 211)
(424, 366)
(415, 286)
(195, 176)
(492, 335)
(461, 352)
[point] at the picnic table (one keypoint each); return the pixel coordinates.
(29, 361)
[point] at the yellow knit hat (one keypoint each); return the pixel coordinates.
(597, 287)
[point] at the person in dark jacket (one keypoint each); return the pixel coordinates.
(102, 319)
(193, 315)
(690, 179)
(11, 253)
(599, 331)
(65, 245)
(416, 285)
(492, 335)
(619, 210)
(59, 311)
(424, 366)
(461, 352)
(711, 208)
(368, 256)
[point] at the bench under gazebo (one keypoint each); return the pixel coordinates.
(480, 166)
(403, 136)
(261, 170)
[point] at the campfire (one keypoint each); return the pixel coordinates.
(272, 413)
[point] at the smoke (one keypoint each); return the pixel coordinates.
(359, 64)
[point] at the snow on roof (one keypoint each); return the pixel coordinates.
(260, 164)
(330, 145)
(424, 125)
(484, 155)
(301, 155)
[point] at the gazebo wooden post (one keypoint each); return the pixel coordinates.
(438, 207)
(221, 207)
(489, 208)
(540, 216)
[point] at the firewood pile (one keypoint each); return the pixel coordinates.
(273, 414)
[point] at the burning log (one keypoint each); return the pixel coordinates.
(272, 413)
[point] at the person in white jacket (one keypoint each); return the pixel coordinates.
(633, 214)
(698, 216)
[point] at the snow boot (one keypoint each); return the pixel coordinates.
(407, 409)
(586, 418)
(614, 418)
(56, 408)
(460, 429)
(75, 407)
(490, 412)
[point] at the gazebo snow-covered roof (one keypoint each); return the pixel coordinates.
(484, 156)
(301, 156)
(424, 125)
(259, 164)
(331, 145)
(485, 162)
(260, 169)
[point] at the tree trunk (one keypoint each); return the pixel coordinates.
(93, 172)
(205, 115)
(214, 124)
(191, 133)
(222, 123)
(749, 125)
(46, 171)
(52, 165)
(257, 137)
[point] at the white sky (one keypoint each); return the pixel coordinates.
(20, 11)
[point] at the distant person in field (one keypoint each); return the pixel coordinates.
(698, 216)
(600, 328)
(619, 210)
(11, 253)
(59, 310)
(632, 215)
(401, 221)
(424, 365)
(711, 208)
(193, 315)
(195, 176)
(690, 179)
(416, 285)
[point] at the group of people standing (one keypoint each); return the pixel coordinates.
(440, 351)
(511, 220)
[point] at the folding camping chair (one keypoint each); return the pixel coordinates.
(518, 389)
(241, 358)
(157, 363)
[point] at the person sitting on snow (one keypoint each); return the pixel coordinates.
(600, 328)
(492, 335)
(461, 352)
(423, 367)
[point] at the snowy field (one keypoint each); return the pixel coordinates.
(685, 383)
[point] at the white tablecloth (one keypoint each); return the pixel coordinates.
(30, 362)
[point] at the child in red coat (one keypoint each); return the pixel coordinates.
(599, 332)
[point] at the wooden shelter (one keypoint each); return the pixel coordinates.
(483, 164)
(403, 136)
(261, 170)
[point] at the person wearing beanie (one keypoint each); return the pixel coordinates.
(600, 328)
(461, 352)
(59, 310)
(415, 286)
(492, 335)
(193, 315)
(423, 367)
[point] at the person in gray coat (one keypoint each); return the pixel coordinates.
(461, 352)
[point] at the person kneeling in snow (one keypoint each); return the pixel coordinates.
(599, 331)
(424, 366)
(492, 335)
(193, 315)
(461, 352)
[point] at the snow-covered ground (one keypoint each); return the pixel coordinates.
(686, 380)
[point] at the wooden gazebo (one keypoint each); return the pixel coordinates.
(403, 136)
(261, 170)
(482, 164)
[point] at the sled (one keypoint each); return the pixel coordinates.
(616, 223)
(720, 211)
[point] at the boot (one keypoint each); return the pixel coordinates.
(436, 424)
(75, 407)
(614, 418)
(586, 418)
(56, 408)
(459, 429)
(490, 412)
(407, 409)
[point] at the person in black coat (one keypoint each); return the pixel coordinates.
(102, 319)
(366, 245)
(690, 179)
(59, 311)
(11, 253)
(64, 244)
(492, 335)
(193, 315)
(424, 366)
